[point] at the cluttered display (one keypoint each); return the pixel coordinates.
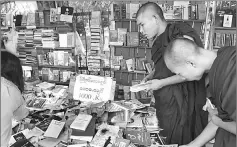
(85, 114)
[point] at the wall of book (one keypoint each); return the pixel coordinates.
(225, 24)
(109, 40)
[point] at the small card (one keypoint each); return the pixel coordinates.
(54, 129)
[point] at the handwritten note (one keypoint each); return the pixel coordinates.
(92, 88)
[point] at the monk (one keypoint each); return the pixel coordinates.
(183, 57)
(178, 102)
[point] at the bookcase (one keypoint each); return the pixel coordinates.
(106, 61)
(224, 29)
(35, 46)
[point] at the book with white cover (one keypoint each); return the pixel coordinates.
(139, 87)
(81, 122)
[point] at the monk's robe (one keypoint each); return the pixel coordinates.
(222, 76)
(179, 106)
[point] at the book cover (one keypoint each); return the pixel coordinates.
(227, 22)
(66, 56)
(86, 135)
(60, 58)
(105, 133)
(70, 39)
(50, 75)
(36, 103)
(113, 36)
(31, 19)
(132, 39)
(63, 40)
(122, 35)
(56, 75)
(54, 129)
(22, 143)
(201, 11)
(133, 10)
(117, 11)
(81, 122)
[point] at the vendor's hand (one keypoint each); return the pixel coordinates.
(155, 84)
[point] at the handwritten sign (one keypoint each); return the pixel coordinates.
(136, 136)
(92, 88)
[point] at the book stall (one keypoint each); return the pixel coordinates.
(83, 64)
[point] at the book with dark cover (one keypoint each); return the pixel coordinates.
(117, 11)
(90, 131)
(67, 10)
(22, 143)
(19, 136)
(36, 103)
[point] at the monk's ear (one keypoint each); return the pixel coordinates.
(191, 64)
(157, 18)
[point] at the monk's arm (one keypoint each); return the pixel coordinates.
(175, 79)
(228, 126)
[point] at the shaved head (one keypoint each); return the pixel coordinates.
(179, 51)
(152, 8)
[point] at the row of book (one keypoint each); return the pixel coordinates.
(174, 10)
(46, 38)
(224, 39)
(122, 37)
(137, 65)
(27, 57)
(57, 58)
(55, 75)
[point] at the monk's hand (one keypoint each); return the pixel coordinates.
(211, 113)
(154, 84)
(216, 120)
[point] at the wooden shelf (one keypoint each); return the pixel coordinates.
(224, 28)
(57, 48)
(46, 26)
(57, 82)
(141, 47)
(132, 72)
(56, 66)
(182, 20)
(168, 20)
(34, 65)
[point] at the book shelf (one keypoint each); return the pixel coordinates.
(224, 30)
(125, 77)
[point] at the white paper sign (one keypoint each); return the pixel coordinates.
(92, 88)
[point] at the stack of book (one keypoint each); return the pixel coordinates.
(95, 46)
(50, 38)
(83, 128)
(38, 38)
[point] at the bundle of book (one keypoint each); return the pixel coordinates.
(93, 58)
(222, 39)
